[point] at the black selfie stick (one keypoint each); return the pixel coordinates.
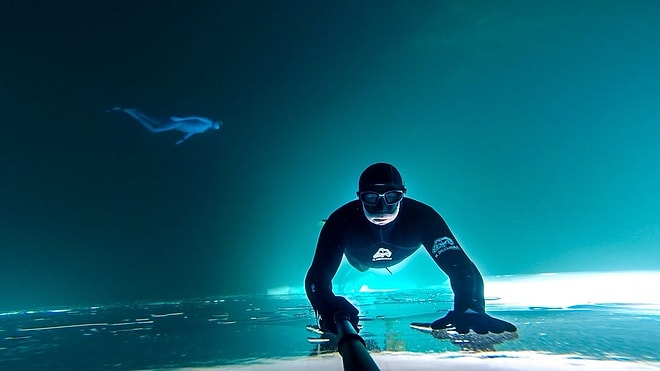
(352, 347)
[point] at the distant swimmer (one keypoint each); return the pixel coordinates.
(190, 125)
(382, 228)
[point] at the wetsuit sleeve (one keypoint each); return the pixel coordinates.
(465, 279)
(318, 282)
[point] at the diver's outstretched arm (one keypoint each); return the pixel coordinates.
(150, 123)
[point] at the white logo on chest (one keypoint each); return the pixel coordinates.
(382, 254)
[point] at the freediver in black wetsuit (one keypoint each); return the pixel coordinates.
(380, 229)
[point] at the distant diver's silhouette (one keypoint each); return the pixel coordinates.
(190, 125)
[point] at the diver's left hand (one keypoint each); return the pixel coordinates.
(481, 323)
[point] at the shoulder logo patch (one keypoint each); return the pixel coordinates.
(443, 244)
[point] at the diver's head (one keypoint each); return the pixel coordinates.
(216, 125)
(381, 190)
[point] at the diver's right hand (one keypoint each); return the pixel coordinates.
(338, 304)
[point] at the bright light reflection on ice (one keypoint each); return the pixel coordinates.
(561, 290)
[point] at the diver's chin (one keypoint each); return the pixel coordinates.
(381, 218)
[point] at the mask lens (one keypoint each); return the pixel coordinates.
(371, 198)
(393, 197)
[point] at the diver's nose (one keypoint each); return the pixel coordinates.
(380, 207)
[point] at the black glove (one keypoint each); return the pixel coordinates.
(337, 304)
(481, 323)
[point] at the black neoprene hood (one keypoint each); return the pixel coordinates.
(380, 175)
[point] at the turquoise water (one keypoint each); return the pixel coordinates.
(531, 126)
